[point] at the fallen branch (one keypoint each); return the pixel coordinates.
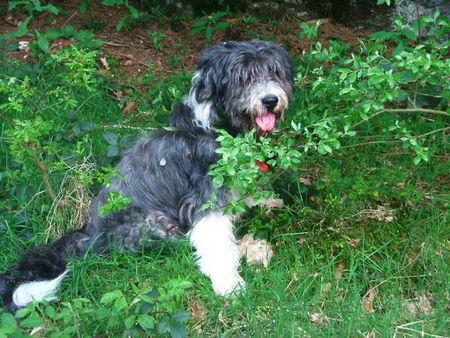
(409, 110)
(398, 154)
(421, 333)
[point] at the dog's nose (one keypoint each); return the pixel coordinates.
(270, 101)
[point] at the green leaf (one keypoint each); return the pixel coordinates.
(110, 296)
(53, 33)
(182, 316)
(145, 321)
(112, 2)
(134, 12)
(178, 330)
(409, 34)
(70, 31)
(50, 8)
(85, 4)
(164, 326)
(50, 311)
(121, 23)
(21, 31)
(110, 137)
(208, 33)
(217, 181)
(24, 312)
(120, 303)
(33, 321)
(221, 25)
(113, 151)
(12, 47)
(42, 41)
(7, 319)
(130, 321)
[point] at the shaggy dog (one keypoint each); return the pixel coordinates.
(237, 86)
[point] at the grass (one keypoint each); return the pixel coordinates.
(341, 268)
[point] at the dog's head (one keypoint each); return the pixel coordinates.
(246, 83)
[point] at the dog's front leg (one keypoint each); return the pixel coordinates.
(217, 252)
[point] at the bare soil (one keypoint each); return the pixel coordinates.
(133, 51)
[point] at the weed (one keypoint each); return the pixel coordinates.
(157, 38)
(209, 25)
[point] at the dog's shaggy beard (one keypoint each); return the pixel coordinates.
(237, 86)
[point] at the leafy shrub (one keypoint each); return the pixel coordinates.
(150, 311)
(371, 97)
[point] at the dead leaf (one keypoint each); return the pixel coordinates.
(273, 203)
(129, 107)
(37, 329)
(198, 311)
(104, 63)
(257, 251)
(367, 301)
(319, 318)
(354, 242)
(420, 306)
(44, 15)
(325, 289)
(305, 180)
(381, 214)
(340, 269)
(119, 94)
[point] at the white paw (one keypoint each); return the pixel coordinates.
(228, 285)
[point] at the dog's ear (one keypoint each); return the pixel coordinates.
(205, 86)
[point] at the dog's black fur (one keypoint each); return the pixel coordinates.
(166, 174)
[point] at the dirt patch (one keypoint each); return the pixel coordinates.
(133, 51)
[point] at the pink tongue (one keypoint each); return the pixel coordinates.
(266, 122)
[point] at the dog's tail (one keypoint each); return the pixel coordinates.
(41, 269)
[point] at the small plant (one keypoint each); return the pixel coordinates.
(157, 38)
(116, 202)
(30, 134)
(32, 7)
(209, 25)
(352, 92)
(128, 21)
(311, 32)
(151, 311)
(174, 60)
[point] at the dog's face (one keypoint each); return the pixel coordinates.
(247, 83)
